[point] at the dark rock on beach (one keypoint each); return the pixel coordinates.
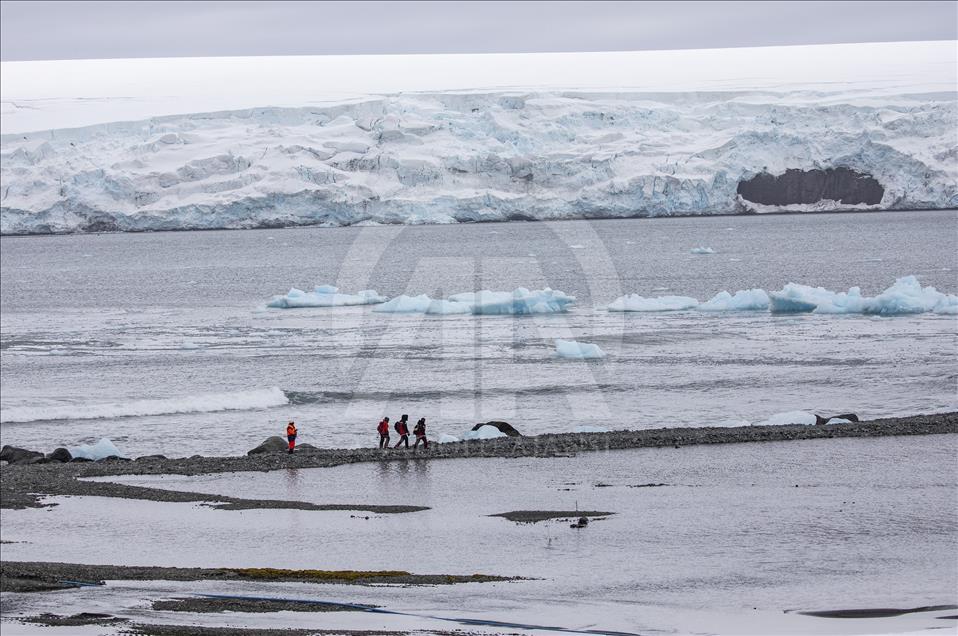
(274, 444)
(503, 427)
(60, 455)
(16, 455)
(851, 417)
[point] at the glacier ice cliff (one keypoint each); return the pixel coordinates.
(484, 156)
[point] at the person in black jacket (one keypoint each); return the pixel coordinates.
(420, 432)
(402, 428)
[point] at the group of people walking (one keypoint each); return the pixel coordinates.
(402, 429)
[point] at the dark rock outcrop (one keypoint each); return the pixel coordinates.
(16, 455)
(811, 186)
(60, 455)
(272, 444)
(504, 427)
(820, 419)
(150, 458)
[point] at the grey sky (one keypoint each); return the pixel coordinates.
(84, 30)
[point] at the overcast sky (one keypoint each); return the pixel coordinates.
(91, 30)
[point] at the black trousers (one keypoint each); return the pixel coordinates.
(425, 442)
(403, 439)
(384, 441)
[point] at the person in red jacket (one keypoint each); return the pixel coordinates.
(420, 433)
(291, 436)
(402, 427)
(383, 430)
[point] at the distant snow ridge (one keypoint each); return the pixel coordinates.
(456, 157)
(906, 296)
(519, 302)
(325, 296)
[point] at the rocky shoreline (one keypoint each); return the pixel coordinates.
(24, 485)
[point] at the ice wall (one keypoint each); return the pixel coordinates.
(459, 157)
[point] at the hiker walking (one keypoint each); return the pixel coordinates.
(383, 430)
(420, 432)
(291, 436)
(402, 428)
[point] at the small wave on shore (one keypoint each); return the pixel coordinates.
(201, 403)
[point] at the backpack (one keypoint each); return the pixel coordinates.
(397, 427)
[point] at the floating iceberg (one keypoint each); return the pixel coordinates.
(906, 296)
(445, 438)
(578, 350)
(790, 417)
(743, 300)
(103, 448)
(590, 429)
(634, 302)
(519, 302)
(324, 296)
(701, 250)
(484, 432)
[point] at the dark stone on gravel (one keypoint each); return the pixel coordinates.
(534, 516)
(503, 427)
(60, 455)
(851, 417)
(150, 458)
(274, 444)
(16, 455)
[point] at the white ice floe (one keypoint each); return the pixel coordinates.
(789, 417)
(578, 350)
(519, 302)
(103, 448)
(445, 438)
(590, 429)
(701, 250)
(742, 300)
(839, 420)
(634, 302)
(325, 296)
(202, 403)
(484, 432)
(906, 296)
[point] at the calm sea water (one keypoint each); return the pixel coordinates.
(138, 337)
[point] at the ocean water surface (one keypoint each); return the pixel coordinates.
(163, 341)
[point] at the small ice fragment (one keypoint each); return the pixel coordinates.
(578, 350)
(702, 250)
